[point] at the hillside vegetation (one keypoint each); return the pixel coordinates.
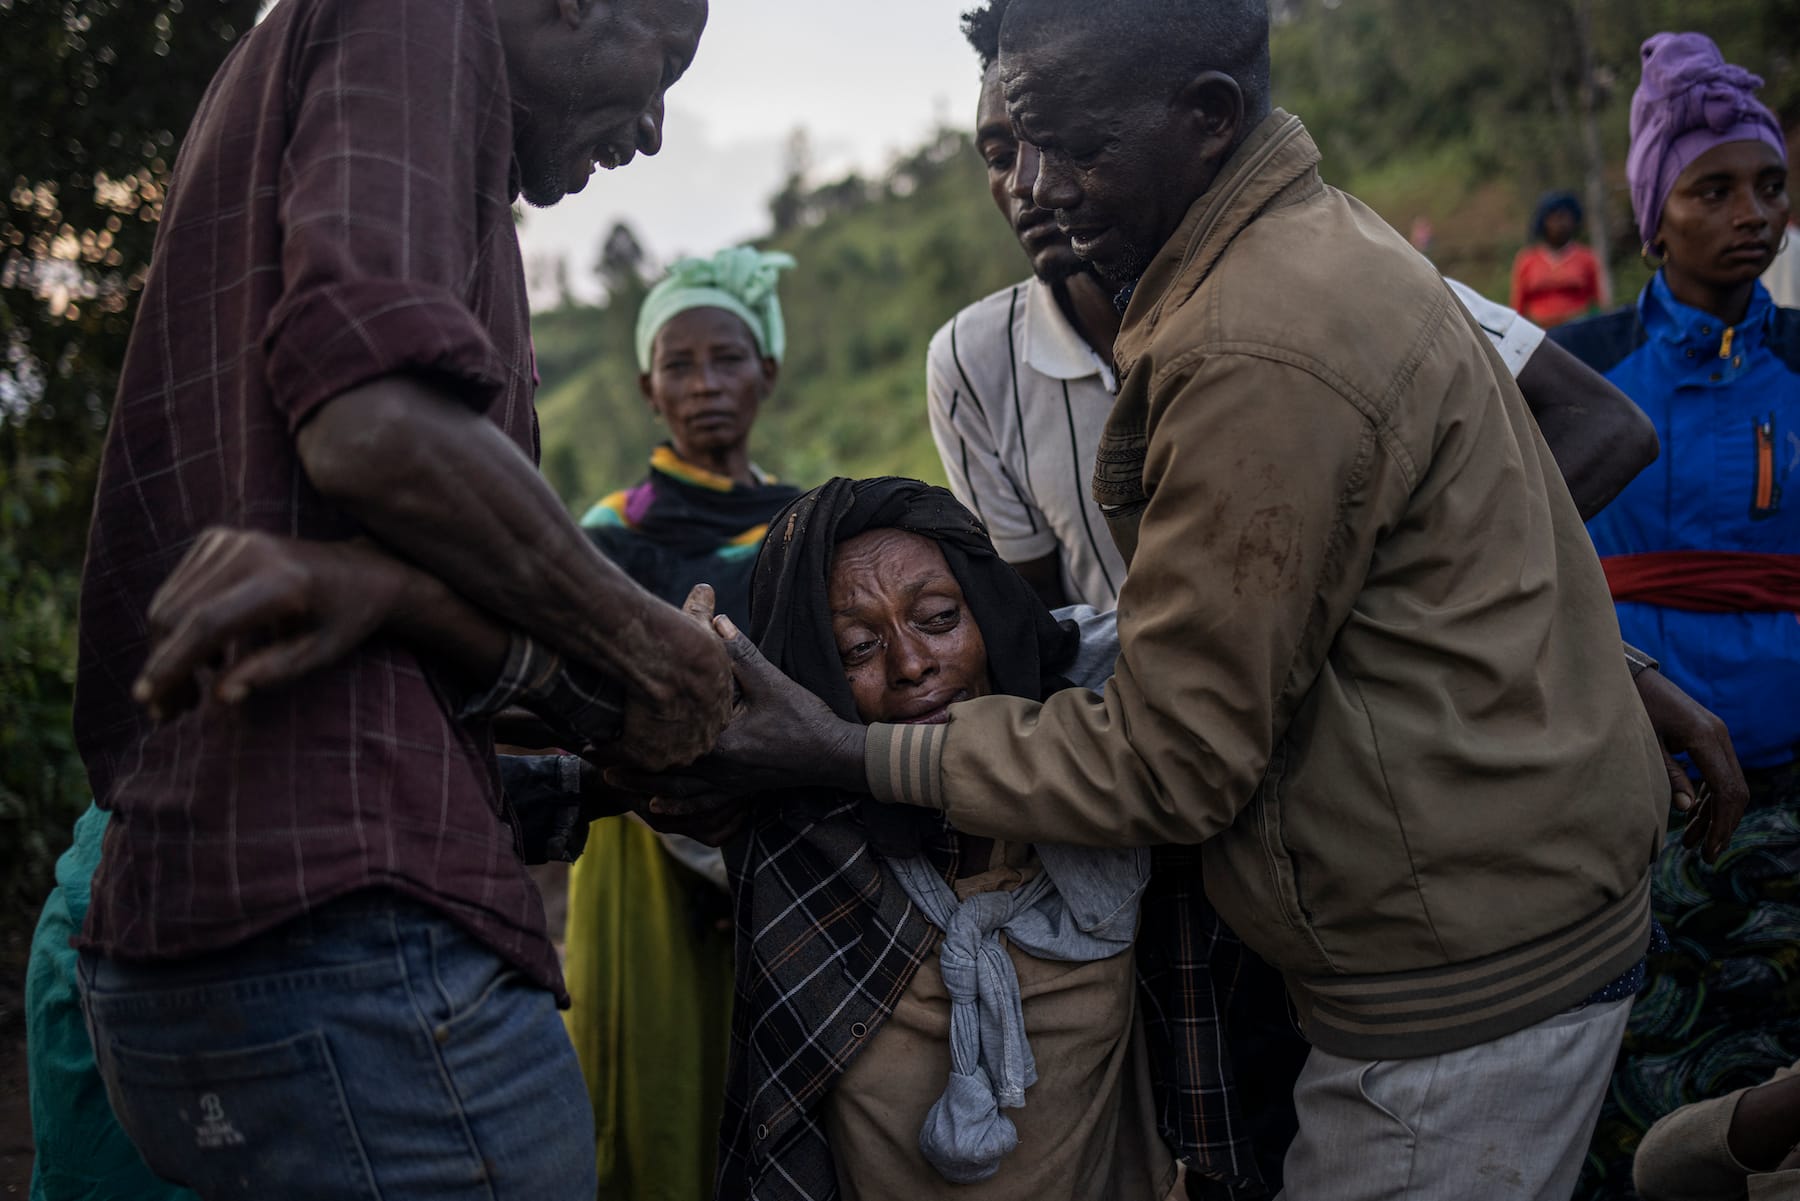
(874, 281)
(1458, 113)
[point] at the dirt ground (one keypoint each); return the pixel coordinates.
(15, 1115)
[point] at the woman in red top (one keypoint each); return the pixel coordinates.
(1556, 278)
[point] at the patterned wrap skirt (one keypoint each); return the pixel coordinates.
(1722, 1007)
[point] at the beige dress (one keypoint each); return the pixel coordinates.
(1088, 1128)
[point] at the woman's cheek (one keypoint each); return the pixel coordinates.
(867, 690)
(965, 649)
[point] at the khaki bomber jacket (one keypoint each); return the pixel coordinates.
(1368, 654)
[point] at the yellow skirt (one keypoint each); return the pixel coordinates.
(650, 977)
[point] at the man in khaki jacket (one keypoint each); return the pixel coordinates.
(1368, 656)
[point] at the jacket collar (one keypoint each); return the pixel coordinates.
(1277, 164)
(1680, 328)
(1053, 346)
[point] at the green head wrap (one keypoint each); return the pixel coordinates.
(740, 280)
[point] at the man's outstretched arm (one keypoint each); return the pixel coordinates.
(247, 612)
(442, 486)
(1599, 438)
(379, 359)
(1179, 743)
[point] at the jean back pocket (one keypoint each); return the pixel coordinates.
(254, 1122)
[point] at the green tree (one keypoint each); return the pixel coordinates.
(40, 775)
(97, 95)
(882, 264)
(623, 262)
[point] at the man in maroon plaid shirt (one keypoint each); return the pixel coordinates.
(314, 965)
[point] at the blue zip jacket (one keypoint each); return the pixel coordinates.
(1726, 403)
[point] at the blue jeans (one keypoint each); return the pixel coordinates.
(368, 1050)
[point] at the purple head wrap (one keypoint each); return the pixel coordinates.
(1689, 101)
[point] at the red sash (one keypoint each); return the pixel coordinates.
(1705, 581)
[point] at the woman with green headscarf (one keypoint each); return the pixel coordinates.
(710, 342)
(648, 951)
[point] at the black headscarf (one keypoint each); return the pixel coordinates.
(827, 939)
(1551, 202)
(790, 614)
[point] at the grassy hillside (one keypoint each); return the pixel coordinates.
(874, 283)
(1465, 113)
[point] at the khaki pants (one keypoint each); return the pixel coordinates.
(1507, 1120)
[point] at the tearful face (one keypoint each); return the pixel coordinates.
(909, 644)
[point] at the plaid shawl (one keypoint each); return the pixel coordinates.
(1190, 966)
(826, 938)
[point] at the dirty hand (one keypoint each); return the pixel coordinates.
(1683, 724)
(715, 827)
(676, 706)
(781, 736)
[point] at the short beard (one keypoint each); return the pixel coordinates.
(540, 175)
(541, 190)
(1126, 270)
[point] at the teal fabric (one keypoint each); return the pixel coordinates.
(82, 1154)
(740, 280)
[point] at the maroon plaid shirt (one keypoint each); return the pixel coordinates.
(340, 211)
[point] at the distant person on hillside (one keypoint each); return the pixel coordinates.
(1703, 557)
(1422, 235)
(648, 948)
(1556, 279)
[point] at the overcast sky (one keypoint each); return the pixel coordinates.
(868, 79)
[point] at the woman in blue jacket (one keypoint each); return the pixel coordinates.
(1703, 554)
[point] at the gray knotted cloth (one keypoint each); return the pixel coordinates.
(1081, 908)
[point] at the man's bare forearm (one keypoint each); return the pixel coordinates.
(444, 627)
(445, 489)
(1599, 438)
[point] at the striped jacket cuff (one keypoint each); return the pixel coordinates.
(904, 764)
(582, 705)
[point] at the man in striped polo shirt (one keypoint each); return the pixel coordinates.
(1020, 383)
